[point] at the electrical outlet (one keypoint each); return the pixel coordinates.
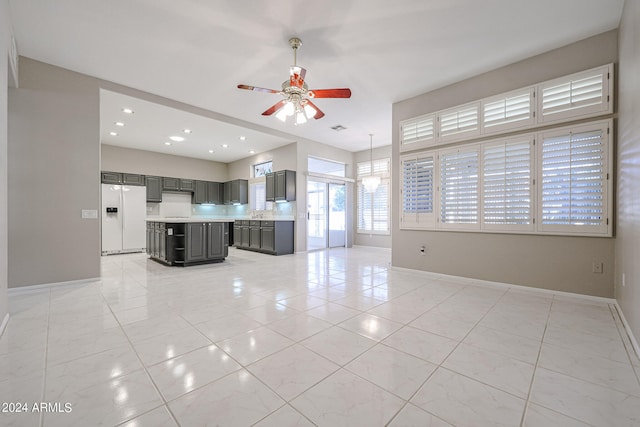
(597, 267)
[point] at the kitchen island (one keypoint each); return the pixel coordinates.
(187, 241)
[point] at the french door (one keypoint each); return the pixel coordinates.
(326, 215)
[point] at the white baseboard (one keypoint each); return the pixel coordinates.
(479, 282)
(4, 324)
(627, 328)
(35, 288)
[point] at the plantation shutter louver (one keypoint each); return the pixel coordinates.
(574, 173)
(417, 133)
(459, 188)
(417, 191)
(459, 123)
(577, 95)
(508, 112)
(507, 179)
(373, 212)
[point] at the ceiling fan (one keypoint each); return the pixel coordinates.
(296, 93)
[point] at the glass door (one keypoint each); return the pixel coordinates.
(337, 215)
(326, 215)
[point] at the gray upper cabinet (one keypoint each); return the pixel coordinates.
(170, 184)
(239, 192)
(111, 177)
(132, 179)
(270, 181)
(154, 188)
(187, 185)
(226, 193)
(281, 186)
(207, 192)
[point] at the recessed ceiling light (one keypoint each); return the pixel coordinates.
(211, 151)
(225, 145)
(187, 131)
(252, 152)
(167, 143)
(113, 133)
(119, 124)
(242, 138)
(176, 138)
(127, 110)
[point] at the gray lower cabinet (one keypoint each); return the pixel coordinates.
(154, 188)
(196, 242)
(187, 243)
(215, 240)
(271, 237)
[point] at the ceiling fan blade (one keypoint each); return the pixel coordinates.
(296, 76)
(274, 108)
(330, 93)
(319, 114)
(257, 89)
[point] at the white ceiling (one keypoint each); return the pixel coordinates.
(197, 52)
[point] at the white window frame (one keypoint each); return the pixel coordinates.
(520, 139)
(460, 134)
(419, 126)
(467, 148)
(382, 169)
(605, 228)
(426, 222)
(513, 124)
(605, 74)
(418, 220)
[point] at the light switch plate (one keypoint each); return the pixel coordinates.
(89, 214)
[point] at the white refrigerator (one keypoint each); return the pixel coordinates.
(124, 209)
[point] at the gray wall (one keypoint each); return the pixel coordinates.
(5, 40)
(551, 262)
(54, 154)
(119, 159)
(282, 157)
(378, 240)
(628, 182)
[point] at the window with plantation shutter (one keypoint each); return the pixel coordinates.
(507, 199)
(373, 209)
(582, 94)
(574, 180)
(459, 188)
(459, 123)
(417, 133)
(417, 191)
(508, 111)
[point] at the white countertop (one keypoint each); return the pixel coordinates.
(203, 219)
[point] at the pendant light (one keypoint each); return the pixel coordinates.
(371, 182)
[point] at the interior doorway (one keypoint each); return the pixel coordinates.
(326, 215)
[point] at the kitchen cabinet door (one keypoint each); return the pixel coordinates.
(239, 191)
(285, 186)
(170, 184)
(215, 240)
(267, 239)
(196, 242)
(270, 187)
(200, 193)
(111, 177)
(154, 188)
(187, 185)
(132, 179)
(226, 193)
(213, 193)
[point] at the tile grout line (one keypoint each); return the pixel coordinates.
(144, 367)
(535, 368)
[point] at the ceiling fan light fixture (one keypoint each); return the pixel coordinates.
(300, 118)
(289, 108)
(282, 115)
(309, 111)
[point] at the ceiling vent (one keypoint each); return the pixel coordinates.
(338, 128)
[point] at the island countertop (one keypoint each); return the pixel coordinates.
(181, 220)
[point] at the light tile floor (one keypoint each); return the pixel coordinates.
(329, 338)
